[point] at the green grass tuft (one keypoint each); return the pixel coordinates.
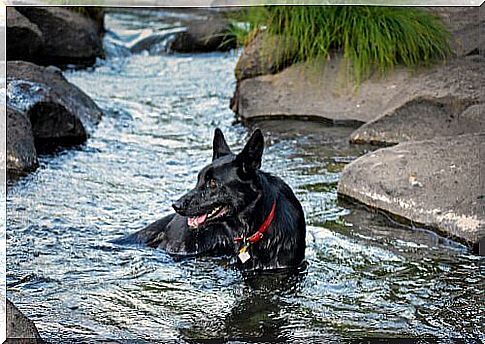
(370, 37)
(246, 22)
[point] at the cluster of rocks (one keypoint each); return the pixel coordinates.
(52, 35)
(44, 110)
(433, 115)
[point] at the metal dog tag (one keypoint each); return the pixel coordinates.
(244, 256)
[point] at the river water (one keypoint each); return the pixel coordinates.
(366, 277)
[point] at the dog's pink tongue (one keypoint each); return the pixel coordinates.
(196, 221)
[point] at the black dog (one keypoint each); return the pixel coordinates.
(234, 209)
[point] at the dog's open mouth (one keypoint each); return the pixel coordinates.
(197, 221)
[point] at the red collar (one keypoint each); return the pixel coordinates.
(262, 229)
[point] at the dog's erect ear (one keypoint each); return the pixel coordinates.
(219, 147)
(250, 157)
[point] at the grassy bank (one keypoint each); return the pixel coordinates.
(369, 37)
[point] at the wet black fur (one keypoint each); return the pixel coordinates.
(239, 184)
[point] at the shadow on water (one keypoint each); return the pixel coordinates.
(366, 276)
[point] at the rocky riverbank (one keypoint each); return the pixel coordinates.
(431, 178)
(44, 110)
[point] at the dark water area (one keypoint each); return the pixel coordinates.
(366, 276)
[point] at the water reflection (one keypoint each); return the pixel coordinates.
(258, 313)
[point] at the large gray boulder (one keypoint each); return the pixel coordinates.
(20, 329)
(449, 101)
(44, 93)
(309, 91)
(467, 27)
(421, 119)
(320, 90)
(21, 153)
(69, 37)
(435, 183)
(24, 39)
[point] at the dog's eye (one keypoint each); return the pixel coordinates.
(212, 184)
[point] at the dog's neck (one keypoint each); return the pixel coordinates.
(247, 219)
(251, 218)
(258, 235)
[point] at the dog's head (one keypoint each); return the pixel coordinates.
(226, 186)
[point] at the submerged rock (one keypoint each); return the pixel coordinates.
(114, 48)
(20, 329)
(29, 84)
(21, 153)
(69, 37)
(434, 183)
(157, 42)
(24, 39)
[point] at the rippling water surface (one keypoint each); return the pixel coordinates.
(365, 277)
